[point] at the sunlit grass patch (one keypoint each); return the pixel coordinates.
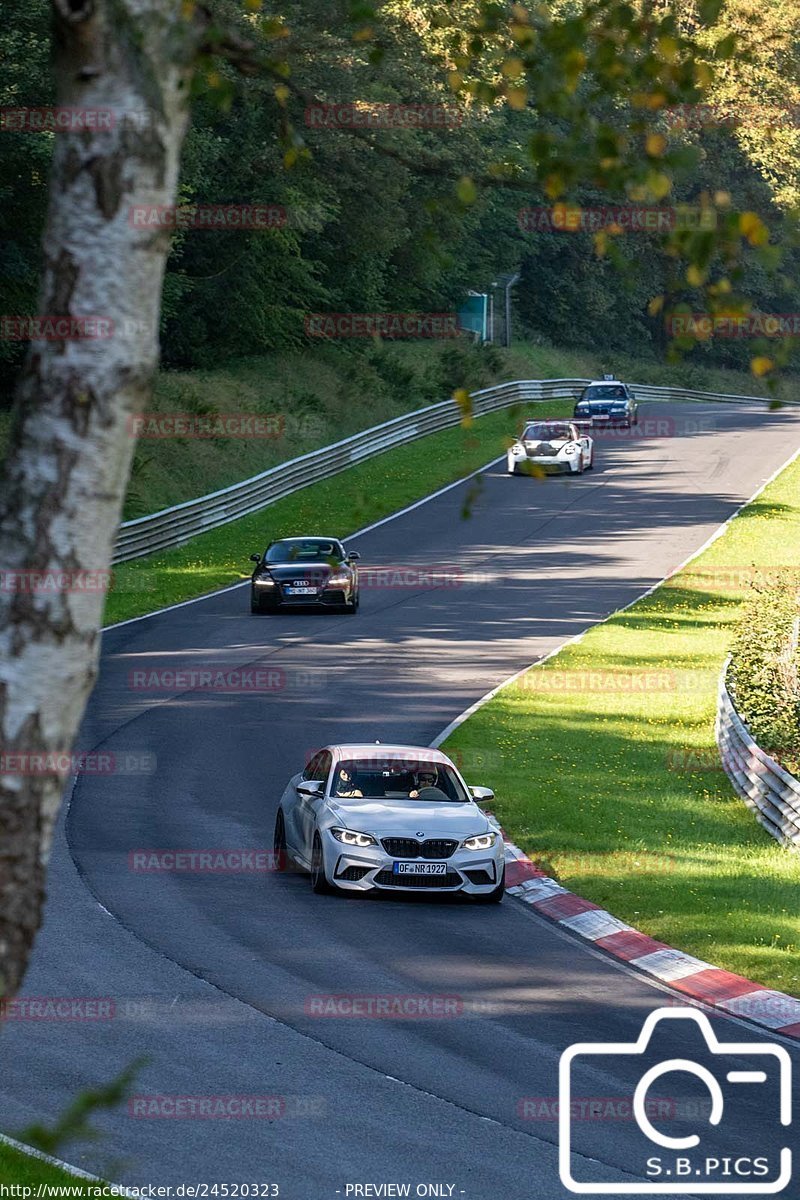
(610, 775)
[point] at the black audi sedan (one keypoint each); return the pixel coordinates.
(607, 402)
(300, 572)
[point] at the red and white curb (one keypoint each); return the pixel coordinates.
(693, 978)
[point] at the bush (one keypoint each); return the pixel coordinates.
(763, 675)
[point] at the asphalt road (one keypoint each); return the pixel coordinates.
(213, 976)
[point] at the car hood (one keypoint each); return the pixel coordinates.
(604, 405)
(287, 571)
(409, 818)
(547, 447)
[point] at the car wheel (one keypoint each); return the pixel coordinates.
(258, 608)
(350, 608)
(496, 894)
(319, 882)
(590, 463)
(579, 469)
(281, 856)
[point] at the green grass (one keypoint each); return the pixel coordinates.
(595, 783)
(27, 1171)
(339, 506)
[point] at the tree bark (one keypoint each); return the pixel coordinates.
(71, 445)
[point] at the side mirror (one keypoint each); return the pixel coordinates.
(256, 558)
(482, 795)
(353, 556)
(310, 788)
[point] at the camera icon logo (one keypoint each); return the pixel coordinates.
(685, 1163)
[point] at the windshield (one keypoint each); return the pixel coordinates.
(604, 393)
(308, 550)
(397, 780)
(547, 433)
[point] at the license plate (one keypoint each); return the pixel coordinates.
(601, 417)
(419, 868)
(301, 591)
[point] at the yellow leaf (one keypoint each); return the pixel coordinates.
(464, 401)
(517, 98)
(187, 9)
(213, 79)
(753, 229)
(466, 190)
(760, 366)
(722, 199)
(659, 184)
(252, 5)
(281, 93)
(290, 157)
(456, 80)
(600, 243)
(554, 186)
(703, 75)
(364, 35)
(512, 68)
(695, 276)
(655, 306)
(668, 48)
(652, 100)
(656, 144)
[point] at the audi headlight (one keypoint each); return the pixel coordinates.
(264, 581)
(480, 841)
(340, 579)
(351, 837)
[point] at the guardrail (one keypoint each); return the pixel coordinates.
(174, 526)
(766, 788)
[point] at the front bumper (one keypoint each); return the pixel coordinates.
(550, 465)
(472, 872)
(274, 597)
(603, 421)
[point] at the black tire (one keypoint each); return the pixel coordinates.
(258, 608)
(319, 883)
(352, 609)
(496, 895)
(279, 843)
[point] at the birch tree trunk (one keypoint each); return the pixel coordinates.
(71, 445)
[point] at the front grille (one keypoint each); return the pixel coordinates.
(353, 874)
(387, 879)
(543, 450)
(411, 848)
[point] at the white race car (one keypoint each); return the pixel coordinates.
(552, 446)
(395, 818)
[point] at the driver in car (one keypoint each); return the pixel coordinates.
(345, 785)
(427, 785)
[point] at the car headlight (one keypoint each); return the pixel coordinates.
(518, 448)
(480, 841)
(264, 581)
(339, 579)
(352, 837)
